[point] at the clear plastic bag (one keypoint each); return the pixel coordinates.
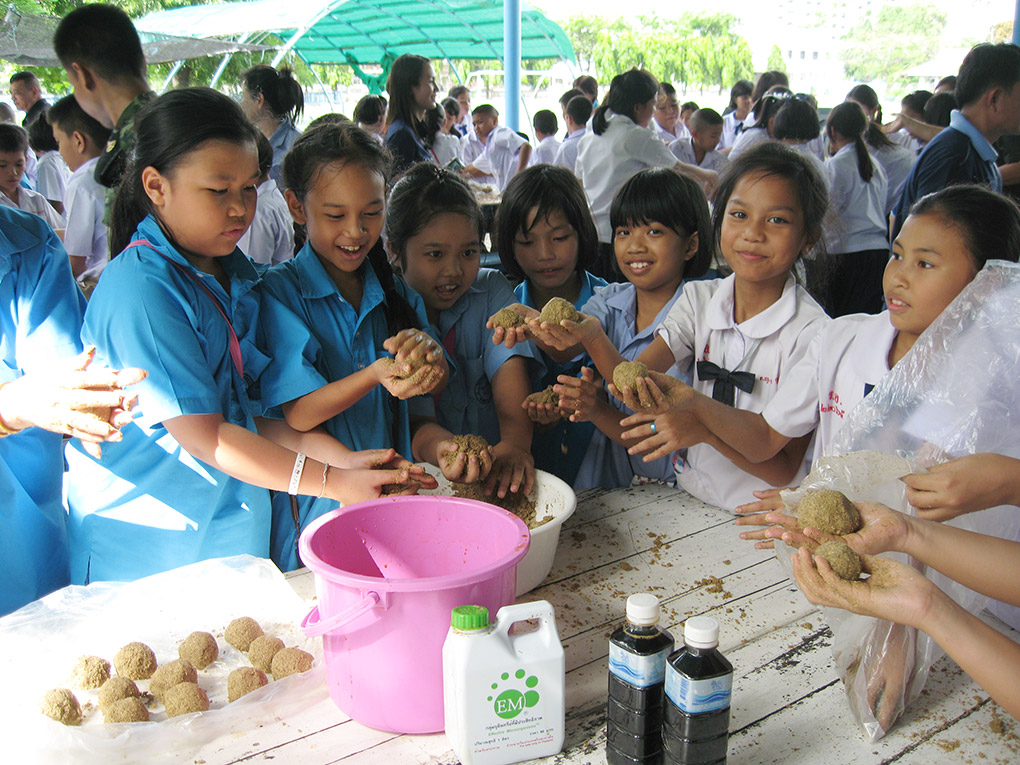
(40, 644)
(956, 393)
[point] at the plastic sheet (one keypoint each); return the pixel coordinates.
(40, 644)
(956, 393)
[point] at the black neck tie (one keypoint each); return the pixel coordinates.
(726, 382)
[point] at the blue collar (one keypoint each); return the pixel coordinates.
(314, 282)
(984, 149)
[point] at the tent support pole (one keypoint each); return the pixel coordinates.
(177, 67)
(512, 61)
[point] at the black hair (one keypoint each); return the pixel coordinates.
(27, 77)
(434, 119)
(915, 101)
(570, 94)
(866, 96)
(68, 115)
(849, 121)
(874, 136)
(776, 160)
(989, 222)
(662, 195)
(457, 90)
(689, 106)
(549, 188)
(265, 150)
(987, 66)
(796, 120)
(419, 195)
(487, 109)
(703, 118)
(768, 106)
(546, 121)
(370, 109)
(6, 113)
(346, 144)
(627, 91)
(40, 136)
(666, 90)
(949, 79)
(404, 76)
(167, 130)
(579, 110)
(938, 109)
(740, 88)
(13, 139)
(329, 118)
(452, 106)
(587, 85)
(282, 93)
(102, 38)
(767, 81)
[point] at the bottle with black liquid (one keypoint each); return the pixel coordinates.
(637, 669)
(699, 682)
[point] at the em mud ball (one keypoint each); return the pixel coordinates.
(241, 632)
(131, 709)
(558, 309)
(185, 698)
(61, 705)
(199, 648)
(829, 511)
(90, 672)
(262, 651)
(243, 681)
(115, 689)
(627, 372)
(135, 661)
(291, 661)
(170, 674)
(507, 318)
(846, 564)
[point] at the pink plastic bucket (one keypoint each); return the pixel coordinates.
(387, 574)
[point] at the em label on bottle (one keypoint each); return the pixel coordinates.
(698, 696)
(639, 671)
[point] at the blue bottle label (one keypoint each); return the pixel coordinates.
(639, 671)
(698, 696)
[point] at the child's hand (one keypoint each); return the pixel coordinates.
(510, 337)
(564, 335)
(769, 511)
(662, 434)
(462, 468)
(413, 347)
(542, 414)
(513, 469)
(656, 393)
(579, 396)
(359, 485)
(964, 485)
(391, 375)
(882, 530)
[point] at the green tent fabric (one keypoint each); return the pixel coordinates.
(370, 32)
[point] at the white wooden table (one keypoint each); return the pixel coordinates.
(788, 704)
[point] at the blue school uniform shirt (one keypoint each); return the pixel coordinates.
(41, 310)
(560, 450)
(465, 405)
(607, 464)
(282, 140)
(148, 505)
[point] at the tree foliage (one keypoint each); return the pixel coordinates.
(776, 62)
(887, 46)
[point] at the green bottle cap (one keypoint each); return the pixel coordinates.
(467, 618)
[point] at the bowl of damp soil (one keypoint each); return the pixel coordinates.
(551, 502)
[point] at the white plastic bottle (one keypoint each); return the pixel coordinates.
(503, 694)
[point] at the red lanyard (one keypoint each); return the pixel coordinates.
(235, 345)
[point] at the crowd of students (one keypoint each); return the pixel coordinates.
(277, 383)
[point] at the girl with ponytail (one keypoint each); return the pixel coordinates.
(273, 100)
(857, 240)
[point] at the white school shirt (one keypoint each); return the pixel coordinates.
(747, 140)
(566, 154)
(270, 237)
(897, 161)
(844, 361)
(84, 206)
(446, 147)
(902, 137)
(729, 130)
(701, 327)
(545, 152)
(605, 162)
(683, 149)
(472, 152)
(502, 148)
(52, 175)
(861, 222)
(665, 136)
(34, 202)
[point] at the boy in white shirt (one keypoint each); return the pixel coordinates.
(13, 156)
(270, 237)
(507, 153)
(52, 173)
(81, 140)
(546, 126)
(576, 113)
(699, 149)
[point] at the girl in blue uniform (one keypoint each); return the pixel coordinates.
(341, 287)
(546, 239)
(433, 233)
(189, 479)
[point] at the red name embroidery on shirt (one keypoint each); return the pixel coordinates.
(705, 352)
(768, 380)
(833, 407)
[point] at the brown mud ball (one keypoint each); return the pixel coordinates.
(135, 661)
(291, 661)
(115, 689)
(471, 445)
(243, 681)
(185, 698)
(558, 309)
(844, 561)
(419, 369)
(828, 511)
(200, 648)
(60, 704)
(507, 318)
(627, 372)
(90, 672)
(125, 711)
(547, 396)
(262, 651)
(170, 674)
(241, 632)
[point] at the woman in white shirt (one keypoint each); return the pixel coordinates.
(619, 146)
